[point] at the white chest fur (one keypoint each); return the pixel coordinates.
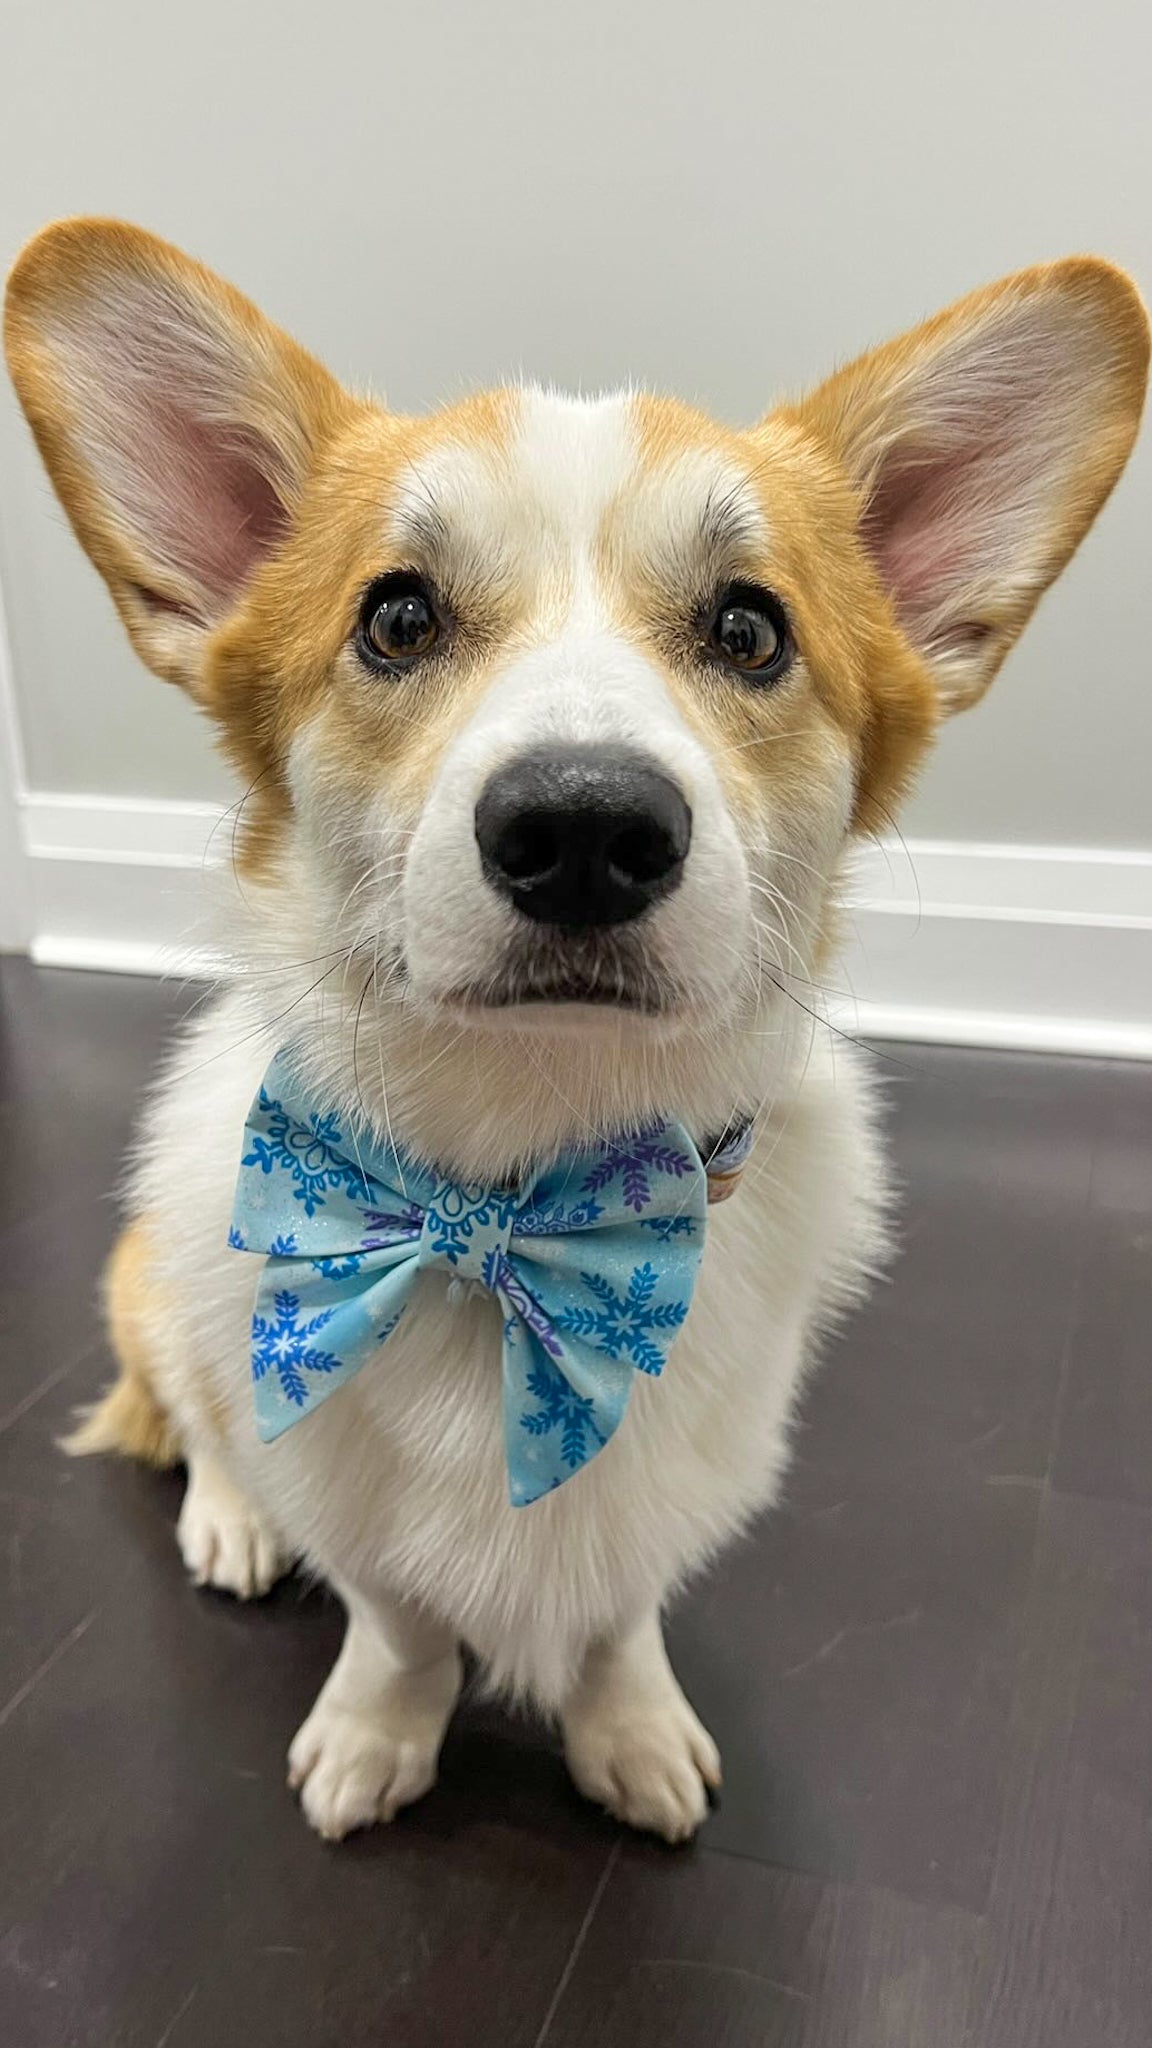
(399, 1479)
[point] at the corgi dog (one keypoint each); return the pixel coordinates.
(558, 719)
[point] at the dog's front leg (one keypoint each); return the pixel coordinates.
(371, 1743)
(631, 1739)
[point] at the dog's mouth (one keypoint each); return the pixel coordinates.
(585, 970)
(510, 996)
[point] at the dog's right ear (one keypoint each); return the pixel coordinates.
(177, 424)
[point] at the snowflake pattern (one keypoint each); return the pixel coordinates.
(310, 1151)
(387, 1227)
(339, 1268)
(623, 1324)
(460, 1213)
(552, 1219)
(561, 1408)
(284, 1346)
(668, 1227)
(500, 1278)
(237, 1240)
(633, 1160)
(578, 1319)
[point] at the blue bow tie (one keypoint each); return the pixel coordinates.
(593, 1263)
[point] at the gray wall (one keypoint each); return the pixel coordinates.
(720, 199)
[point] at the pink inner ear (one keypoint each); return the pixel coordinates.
(926, 525)
(964, 489)
(199, 494)
(163, 396)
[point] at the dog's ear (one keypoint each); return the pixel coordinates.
(177, 424)
(982, 445)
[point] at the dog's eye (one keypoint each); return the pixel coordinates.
(399, 621)
(748, 631)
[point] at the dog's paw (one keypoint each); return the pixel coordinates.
(222, 1540)
(651, 1767)
(352, 1769)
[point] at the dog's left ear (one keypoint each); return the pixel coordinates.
(982, 445)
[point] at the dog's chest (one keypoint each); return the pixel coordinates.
(403, 1471)
(399, 1478)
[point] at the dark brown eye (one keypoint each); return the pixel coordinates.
(399, 622)
(748, 631)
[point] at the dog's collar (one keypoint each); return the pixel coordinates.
(725, 1157)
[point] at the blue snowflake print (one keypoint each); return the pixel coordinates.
(457, 1214)
(310, 1152)
(383, 1335)
(623, 1325)
(552, 1219)
(387, 1227)
(560, 1408)
(499, 1277)
(668, 1227)
(339, 1268)
(285, 1347)
(634, 1160)
(237, 1240)
(284, 1246)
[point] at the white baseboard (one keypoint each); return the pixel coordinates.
(15, 918)
(1045, 948)
(117, 884)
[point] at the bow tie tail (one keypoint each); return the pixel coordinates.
(313, 1329)
(562, 1400)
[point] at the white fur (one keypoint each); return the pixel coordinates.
(397, 1487)
(395, 1490)
(222, 1539)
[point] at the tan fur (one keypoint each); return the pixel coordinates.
(861, 673)
(130, 1418)
(858, 417)
(76, 264)
(279, 661)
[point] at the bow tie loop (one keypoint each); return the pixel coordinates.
(466, 1230)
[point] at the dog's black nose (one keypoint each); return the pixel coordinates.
(582, 835)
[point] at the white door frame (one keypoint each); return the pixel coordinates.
(15, 879)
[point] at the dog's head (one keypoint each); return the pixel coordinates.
(557, 714)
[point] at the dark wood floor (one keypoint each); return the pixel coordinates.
(928, 1672)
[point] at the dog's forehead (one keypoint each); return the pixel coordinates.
(539, 472)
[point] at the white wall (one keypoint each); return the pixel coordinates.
(720, 199)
